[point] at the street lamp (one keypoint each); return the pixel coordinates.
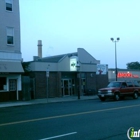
(79, 76)
(47, 76)
(112, 39)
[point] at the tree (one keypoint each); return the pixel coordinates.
(133, 65)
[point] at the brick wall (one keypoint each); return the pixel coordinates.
(90, 83)
(10, 96)
(40, 85)
(58, 94)
(54, 84)
(102, 81)
(94, 82)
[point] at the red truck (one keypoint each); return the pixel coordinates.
(119, 89)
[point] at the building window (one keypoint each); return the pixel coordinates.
(10, 36)
(12, 84)
(9, 5)
(2, 83)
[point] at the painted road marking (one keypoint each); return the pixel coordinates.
(63, 135)
(69, 115)
(112, 102)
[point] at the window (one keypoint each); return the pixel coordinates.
(12, 84)
(136, 84)
(124, 85)
(129, 84)
(114, 84)
(9, 5)
(2, 83)
(10, 36)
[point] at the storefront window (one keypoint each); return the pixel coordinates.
(2, 83)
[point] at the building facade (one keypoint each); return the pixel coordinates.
(124, 75)
(10, 51)
(66, 75)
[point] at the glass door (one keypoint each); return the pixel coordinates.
(66, 87)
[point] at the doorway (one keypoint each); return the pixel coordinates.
(67, 87)
(12, 89)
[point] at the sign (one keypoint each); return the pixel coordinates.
(101, 69)
(127, 75)
(47, 74)
(132, 134)
(73, 63)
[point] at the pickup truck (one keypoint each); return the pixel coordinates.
(119, 89)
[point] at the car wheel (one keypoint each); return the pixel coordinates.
(135, 95)
(102, 98)
(117, 97)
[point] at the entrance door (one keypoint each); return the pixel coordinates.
(67, 87)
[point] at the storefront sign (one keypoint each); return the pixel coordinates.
(101, 69)
(73, 63)
(127, 75)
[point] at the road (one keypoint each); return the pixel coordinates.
(77, 120)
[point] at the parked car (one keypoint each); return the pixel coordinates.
(119, 89)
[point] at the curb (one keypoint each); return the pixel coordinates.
(35, 102)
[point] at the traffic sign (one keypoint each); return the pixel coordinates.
(47, 73)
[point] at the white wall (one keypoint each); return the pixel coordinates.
(64, 65)
(88, 58)
(42, 66)
(10, 19)
(88, 68)
(10, 56)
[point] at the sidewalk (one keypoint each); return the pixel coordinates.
(49, 100)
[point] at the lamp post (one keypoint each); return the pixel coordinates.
(79, 76)
(47, 76)
(115, 41)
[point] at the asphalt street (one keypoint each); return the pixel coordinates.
(77, 120)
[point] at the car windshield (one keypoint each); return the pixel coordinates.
(114, 84)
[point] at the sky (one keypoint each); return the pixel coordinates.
(65, 25)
